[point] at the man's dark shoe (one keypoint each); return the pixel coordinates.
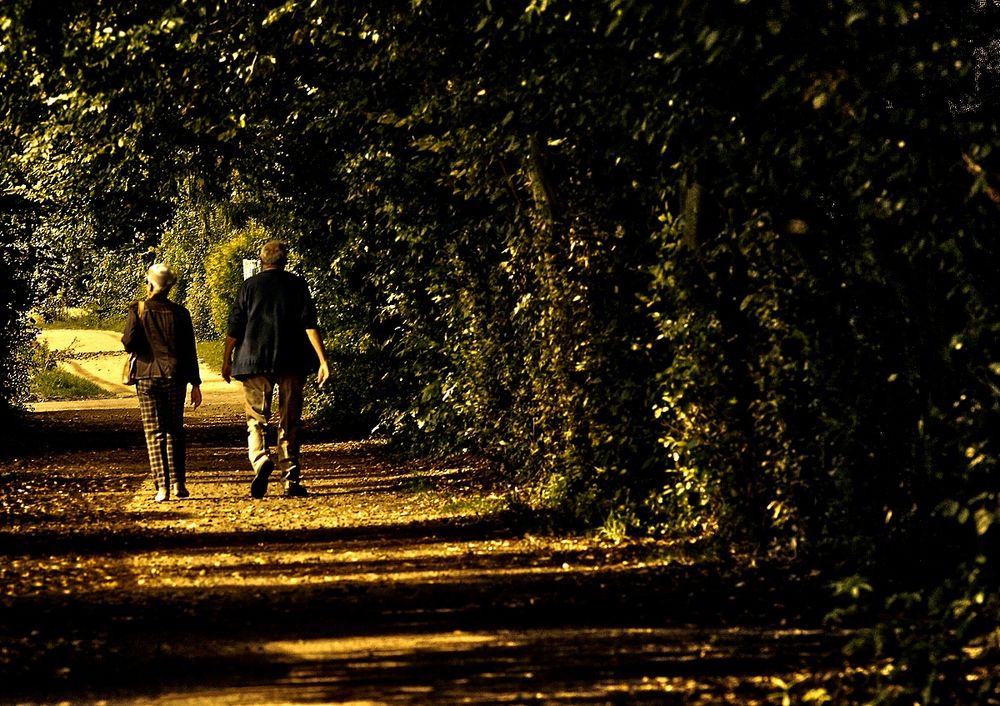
(259, 485)
(294, 489)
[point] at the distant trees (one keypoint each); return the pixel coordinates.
(720, 269)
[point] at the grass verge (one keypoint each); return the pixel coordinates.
(85, 321)
(58, 385)
(210, 353)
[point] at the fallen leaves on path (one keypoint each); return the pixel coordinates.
(392, 582)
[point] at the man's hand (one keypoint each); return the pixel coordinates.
(316, 341)
(195, 396)
(227, 370)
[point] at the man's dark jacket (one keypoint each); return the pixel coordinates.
(269, 319)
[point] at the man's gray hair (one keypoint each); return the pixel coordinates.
(274, 254)
(161, 277)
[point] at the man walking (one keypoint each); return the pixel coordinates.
(274, 333)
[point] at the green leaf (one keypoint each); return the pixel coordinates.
(984, 518)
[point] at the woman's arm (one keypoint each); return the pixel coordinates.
(133, 336)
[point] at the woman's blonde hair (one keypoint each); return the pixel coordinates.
(161, 277)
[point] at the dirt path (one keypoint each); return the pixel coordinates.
(392, 583)
(98, 356)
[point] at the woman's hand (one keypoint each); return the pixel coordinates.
(195, 396)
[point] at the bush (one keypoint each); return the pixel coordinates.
(224, 270)
(117, 278)
(17, 331)
(197, 226)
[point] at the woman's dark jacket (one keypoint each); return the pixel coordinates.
(164, 346)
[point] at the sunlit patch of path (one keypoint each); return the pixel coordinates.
(561, 665)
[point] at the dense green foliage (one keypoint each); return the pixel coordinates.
(718, 270)
(15, 297)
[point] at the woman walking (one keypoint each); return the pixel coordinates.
(160, 334)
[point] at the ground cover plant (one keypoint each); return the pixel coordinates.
(56, 384)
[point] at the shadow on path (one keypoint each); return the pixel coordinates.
(366, 592)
